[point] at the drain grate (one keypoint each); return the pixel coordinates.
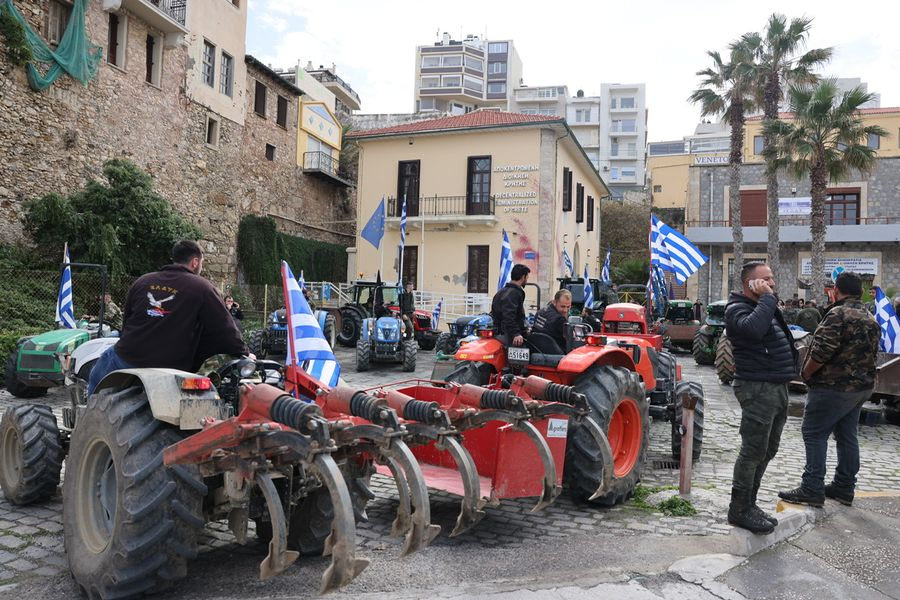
(666, 464)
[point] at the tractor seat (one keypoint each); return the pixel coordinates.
(544, 344)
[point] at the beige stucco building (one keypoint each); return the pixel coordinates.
(466, 179)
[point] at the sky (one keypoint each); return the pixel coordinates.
(578, 44)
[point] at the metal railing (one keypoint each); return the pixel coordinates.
(324, 75)
(174, 8)
(322, 161)
(799, 220)
(425, 206)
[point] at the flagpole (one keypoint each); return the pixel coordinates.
(422, 213)
(402, 233)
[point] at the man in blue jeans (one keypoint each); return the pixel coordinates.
(840, 372)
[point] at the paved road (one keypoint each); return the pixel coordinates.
(511, 549)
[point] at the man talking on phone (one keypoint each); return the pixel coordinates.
(765, 360)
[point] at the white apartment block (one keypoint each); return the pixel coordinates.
(623, 136)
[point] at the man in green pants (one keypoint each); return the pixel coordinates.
(765, 361)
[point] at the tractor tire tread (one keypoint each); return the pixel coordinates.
(702, 341)
(41, 451)
(410, 349)
(697, 449)
(363, 355)
(724, 360)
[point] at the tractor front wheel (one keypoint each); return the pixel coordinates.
(619, 407)
(130, 523)
(696, 390)
(31, 454)
(351, 325)
(330, 330)
(427, 342)
(702, 349)
(724, 360)
(257, 343)
(476, 373)
(16, 387)
(363, 355)
(409, 355)
(443, 342)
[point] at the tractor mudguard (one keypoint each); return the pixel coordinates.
(89, 351)
(581, 359)
(169, 402)
(488, 350)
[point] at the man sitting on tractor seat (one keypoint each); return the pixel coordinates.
(551, 321)
(508, 308)
(408, 308)
(173, 319)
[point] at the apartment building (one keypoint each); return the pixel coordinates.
(623, 136)
(457, 77)
(346, 99)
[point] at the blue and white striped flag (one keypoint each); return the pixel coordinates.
(588, 290)
(436, 315)
(567, 260)
(660, 281)
(506, 263)
(307, 347)
(890, 324)
(403, 226)
(604, 274)
(673, 252)
(65, 310)
(302, 281)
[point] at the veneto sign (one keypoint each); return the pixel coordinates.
(516, 176)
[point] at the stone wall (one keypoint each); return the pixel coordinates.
(57, 140)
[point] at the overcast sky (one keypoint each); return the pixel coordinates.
(578, 44)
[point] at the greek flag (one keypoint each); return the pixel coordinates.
(567, 260)
(403, 227)
(506, 263)
(673, 252)
(65, 310)
(604, 274)
(660, 281)
(890, 324)
(302, 281)
(588, 290)
(436, 315)
(307, 347)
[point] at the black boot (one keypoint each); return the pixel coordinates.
(741, 514)
(842, 495)
(755, 507)
(800, 495)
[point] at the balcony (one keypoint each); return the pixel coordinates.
(167, 16)
(323, 166)
(622, 131)
(624, 156)
(338, 87)
(459, 210)
(796, 230)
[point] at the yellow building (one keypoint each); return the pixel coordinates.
(466, 179)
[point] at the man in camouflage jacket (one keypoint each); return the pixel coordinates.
(840, 372)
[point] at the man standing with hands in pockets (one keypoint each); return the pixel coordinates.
(765, 361)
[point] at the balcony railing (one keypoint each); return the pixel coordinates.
(800, 220)
(174, 8)
(325, 75)
(321, 163)
(443, 206)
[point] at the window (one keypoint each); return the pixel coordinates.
(657, 189)
(453, 60)
(316, 145)
(550, 112)
(612, 102)
(759, 144)
(496, 67)
(842, 209)
(281, 115)
(496, 88)
(431, 61)
(567, 190)
(626, 102)
(473, 83)
(579, 203)
(629, 124)
(431, 82)
(614, 174)
(590, 213)
(426, 104)
(478, 186)
(874, 141)
(58, 13)
(153, 60)
(208, 65)
(632, 149)
(451, 81)
(474, 63)
(212, 131)
(270, 152)
(116, 41)
(477, 269)
(546, 93)
(497, 48)
(628, 173)
(259, 99)
(582, 115)
(226, 76)
(408, 186)
(614, 148)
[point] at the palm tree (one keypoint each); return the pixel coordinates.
(776, 63)
(727, 90)
(826, 141)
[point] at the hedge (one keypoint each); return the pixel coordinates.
(261, 248)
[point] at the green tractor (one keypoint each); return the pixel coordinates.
(602, 292)
(678, 326)
(34, 366)
(707, 337)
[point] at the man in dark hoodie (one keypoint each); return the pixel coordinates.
(508, 308)
(765, 361)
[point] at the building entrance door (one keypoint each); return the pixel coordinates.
(411, 265)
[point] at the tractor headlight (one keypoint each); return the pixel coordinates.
(371, 327)
(247, 369)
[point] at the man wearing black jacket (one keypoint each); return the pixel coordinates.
(173, 319)
(508, 308)
(765, 361)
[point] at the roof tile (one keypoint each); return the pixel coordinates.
(477, 118)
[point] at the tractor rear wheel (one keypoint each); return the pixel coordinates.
(476, 373)
(427, 342)
(702, 348)
(351, 325)
(619, 407)
(409, 355)
(363, 355)
(257, 343)
(443, 342)
(130, 523)
(16, 387)
(696, 390)
(31, 454)
(724, 360)
(330, 330)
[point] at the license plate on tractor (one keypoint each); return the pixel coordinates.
(518, 355)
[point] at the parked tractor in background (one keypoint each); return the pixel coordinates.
(463, 329)
(678, 325)
(272, 340)
(602, 292)
(361, 307)
(725, 358)
(707, 336)
(385, 339)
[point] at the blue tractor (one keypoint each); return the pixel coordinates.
(272, 341)
(385, 339)
(460, 330)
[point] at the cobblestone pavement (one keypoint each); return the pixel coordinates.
(31, 543)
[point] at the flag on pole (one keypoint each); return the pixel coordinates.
(506, 263)
(374, 229)
(567, 260)
(65, 310)
(302, 281)
(660, 281)
(588, 290)
(403, 226)
(307, 348)
(604, 274)
(673, 252)
(436, 315)
(890, 324)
